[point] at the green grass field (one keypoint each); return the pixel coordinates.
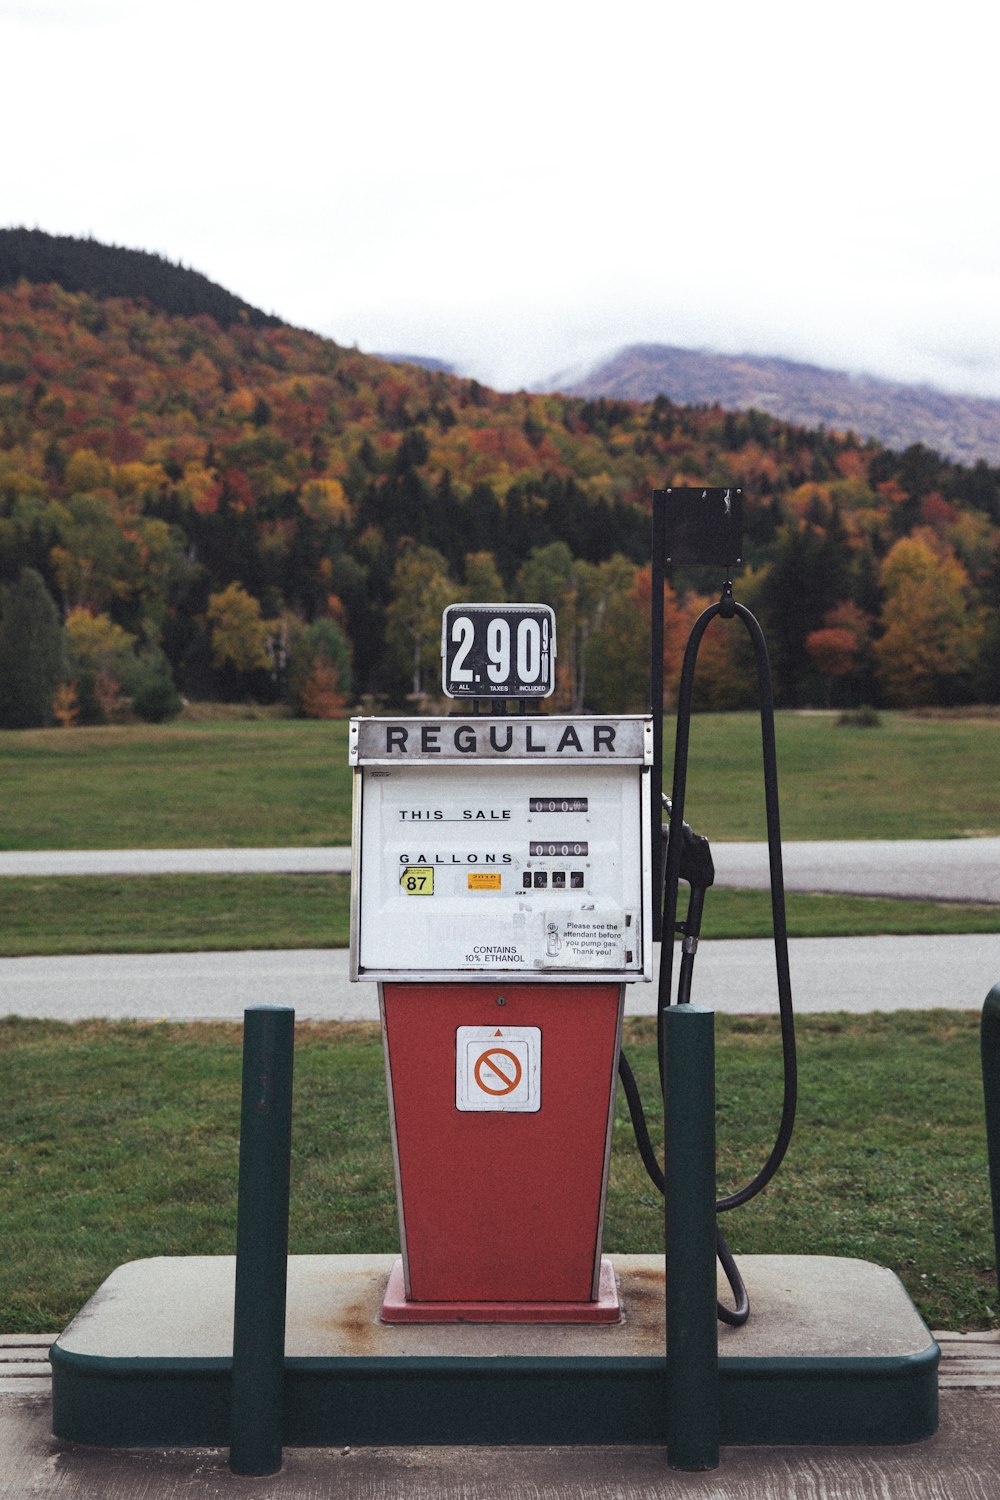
(224, 784)
(236, 783)
(187, 913)
(910, 778)
(120, 1141)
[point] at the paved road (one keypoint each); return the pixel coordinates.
(879, 973)
(176, 862)
(854, 974)
(939, 869)
(959, 1463)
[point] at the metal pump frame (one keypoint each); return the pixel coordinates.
(686, 856)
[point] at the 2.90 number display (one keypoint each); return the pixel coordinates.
(498, 650)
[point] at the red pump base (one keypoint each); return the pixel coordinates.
(397, 1308)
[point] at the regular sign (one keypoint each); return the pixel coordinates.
(498, 650)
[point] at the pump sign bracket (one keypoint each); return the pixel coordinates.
(498, 650)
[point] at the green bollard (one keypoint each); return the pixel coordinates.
(692, 1330)
(262, 1241)
(989, 1045)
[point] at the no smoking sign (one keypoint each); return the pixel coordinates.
(498, 1068)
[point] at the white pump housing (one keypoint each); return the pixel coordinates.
(496, 845)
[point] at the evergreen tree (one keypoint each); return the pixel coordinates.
(154, 696)
(32, 652)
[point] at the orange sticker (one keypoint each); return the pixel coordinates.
(481, 881)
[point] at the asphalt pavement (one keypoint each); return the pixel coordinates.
(44, 862)
(934, 869)
(734, 977)
(960, 1462)
(937, 869)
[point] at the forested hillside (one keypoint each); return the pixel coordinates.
(252, 511)
(113, 271)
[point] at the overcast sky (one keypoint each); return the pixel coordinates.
(521, 188)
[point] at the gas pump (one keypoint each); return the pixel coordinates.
(494, 848)
(502, 900)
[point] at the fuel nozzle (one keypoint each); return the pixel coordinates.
(698, 869)
(696, 864)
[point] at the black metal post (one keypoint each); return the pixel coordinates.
(262, 1241)
(989, 1043)
(656, 705)
(692, 1331)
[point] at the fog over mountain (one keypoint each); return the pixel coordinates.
(964, 428)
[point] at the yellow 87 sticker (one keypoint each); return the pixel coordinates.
(418, 882)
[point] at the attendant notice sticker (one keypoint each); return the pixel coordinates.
(584, 940)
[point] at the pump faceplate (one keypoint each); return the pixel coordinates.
(510, 846)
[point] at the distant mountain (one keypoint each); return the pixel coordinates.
(965, 428)
(111, 271)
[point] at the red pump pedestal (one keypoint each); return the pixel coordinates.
(501, 1099)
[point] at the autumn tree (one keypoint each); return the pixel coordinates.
(155, 568)
(319, 677)
(593, 585)
(840, 648)
(87, 471)
(101, 655)
(726, 673)
(931, 631)
(66, 705)
(324, 500)
(588, 637)
(421, 591)
(321, 697)
(725, 670)
(833, 650)
(680, 611)
(27, 524)
(239, 631)
(148, 459)
(483, 584)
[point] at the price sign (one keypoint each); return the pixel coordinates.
(498, 650)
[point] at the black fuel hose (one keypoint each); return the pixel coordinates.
(688, 857)
(737, 1315)
(727, 607)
